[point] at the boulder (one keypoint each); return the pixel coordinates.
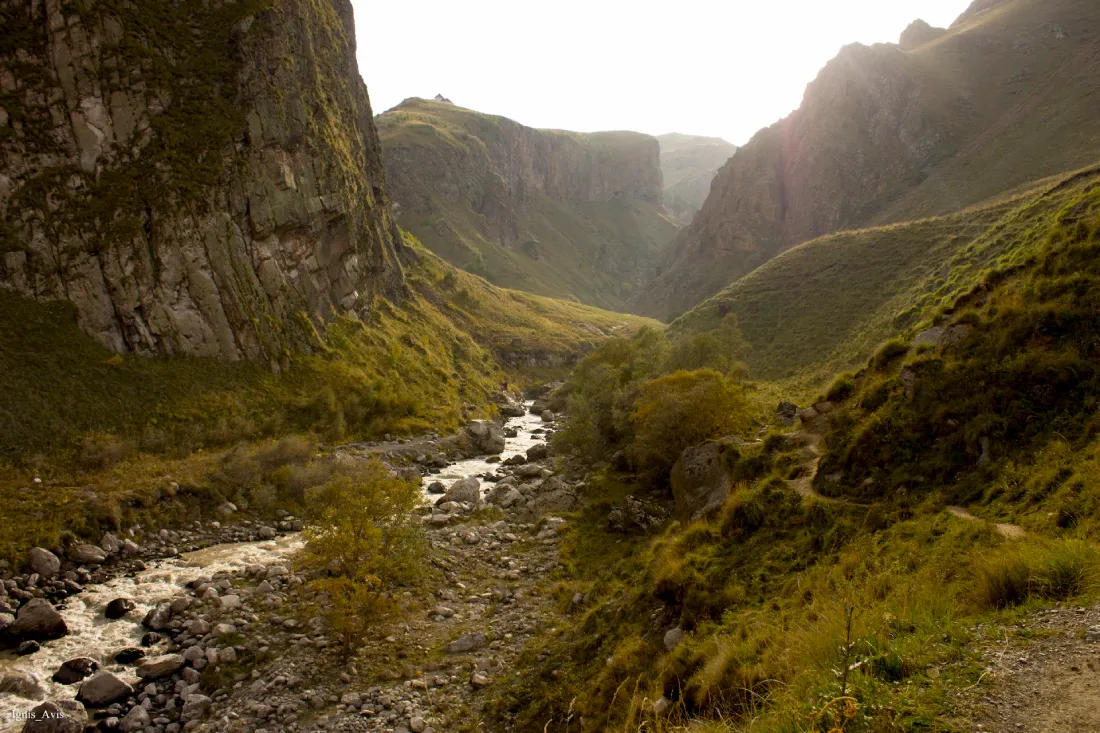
(530, 470)
(61, 716)
(158, 617)
(23, 684)
(512, 410)
(44, 562)
(135, 720)
(86, 554)
(6, 620)
(700, 481)
(504, 496)
(486, 437)
(119, 607)
(547, 416)
(75, 670)
(787, 412)
(553, 502)
(673, 637)
(437, 487)
(928, 337)
(538, 452)
(466, 490)
(129, 655)
(111, 545)
(161, 666)
(102, 689)
(37, 620)
(468, 643)
(30, 646)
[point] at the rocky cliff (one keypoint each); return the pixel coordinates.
(554, 212)
(688, 166)
(199, 178)
(887, 134)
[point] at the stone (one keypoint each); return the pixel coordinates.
(27, 648)
(487, 437)
(86, 554)
(103, 689)
(135, 720)
(226, 509)
(673, 637)
(61, 716)
(512, 410)
(437, 487)
(194, 706)
(787, 412)
(928, 337)
(416, 723)
(504, 497)
(23, 684)
(266, 533)
(75, 670)
(110, 544)
(119, 607)
(129, 655)
(37, 620)
(468, 643)
(1092, 634)
(6, 620)
(199, 627)
(538, 452)
(228, 602)
(553, 502)
(151, 639)
(479, 681)
(700, 481)
(158, 617)
(955, 335)
(467, 490)
(547, 416)
(531, 470)
(44, 562)
(161, 666)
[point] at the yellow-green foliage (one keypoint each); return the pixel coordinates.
(362, 534)
(680, 410)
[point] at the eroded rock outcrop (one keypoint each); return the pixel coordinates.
(217, 190)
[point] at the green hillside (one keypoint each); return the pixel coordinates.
(825, 305)
(562, 214)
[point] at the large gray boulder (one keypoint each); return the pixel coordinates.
(86, 554)
(59, 716)
(559, 498)
(135, 720)
(700, 481)
(468, 643)
(102, 689)
(37, 620)
(161, 666)
(504, 496)
(466, 490)
(44, 562)
(485, 436)
(158, 618)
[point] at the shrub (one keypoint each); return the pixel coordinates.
(841, 388)
(681, 410)
(888, 352)
(293, 449)
(361, 532)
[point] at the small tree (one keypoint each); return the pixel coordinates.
(363, 536)
(681, 410)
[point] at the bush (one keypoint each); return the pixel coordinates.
(293, 449)
(102, 450)
(888, 352)
(681, 410)
(841, 388)
(361, 532)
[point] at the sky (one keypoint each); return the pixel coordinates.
(701, 67)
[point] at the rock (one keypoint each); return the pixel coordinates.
(193, 654)
(928, 337)
(129, 547)
(200, 627)
(512, 410)
(955, 335)
(119, 607)
(416, 723)
(86, 554)
(151, 639)
(6, 620)
(467, 643)
(635, 516)
(158, 618)
(27, 648)
(226, 509)
(228, 602)
(487, 437)
(437, 487)
(824, 408)
(44, 562)
(700, 481)
(787, 412)
(466, 490)
(110, 544)
(264, 588)
(531, 470)
(443, 611)
(194, 706)
(129, 655)
(266, 533)
(547, 416)
(23, 684)
(478, 681)
(504, 496)
(75, 670)
(37, 620)
(558, 500)
(1092, 634)
(538, 452)
(135, 720)
(62, 716)
(161, 666)
(102, 689)
(673, 637)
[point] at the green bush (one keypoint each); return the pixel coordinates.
(888, 353)
(841, 388)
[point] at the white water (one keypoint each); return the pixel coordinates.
(92, 635)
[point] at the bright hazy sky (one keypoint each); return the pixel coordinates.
(703, 67)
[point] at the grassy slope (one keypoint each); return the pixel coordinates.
(411, 368)
(581, 246)
(764, 589)
(825, 305)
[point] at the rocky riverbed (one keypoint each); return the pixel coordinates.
(163, 637)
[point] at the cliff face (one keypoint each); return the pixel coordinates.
(688, 166)
(540, 210)
(886, 134)
(195, 177)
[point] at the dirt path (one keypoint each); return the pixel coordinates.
(1045, 685)
(1012, 531)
